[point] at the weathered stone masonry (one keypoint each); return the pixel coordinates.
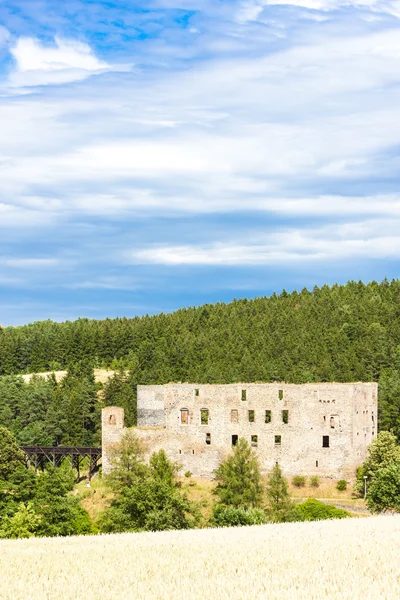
(311, 429)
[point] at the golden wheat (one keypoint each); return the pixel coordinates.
(350, 559)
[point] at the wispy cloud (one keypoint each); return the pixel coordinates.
(362, 240)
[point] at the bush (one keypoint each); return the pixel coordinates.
(384, 491)
(232, 516)
(341, 485)
(152, 501)
(382, 451)
(299, 481)
(314, 481)
(314, 510)
(188, 474)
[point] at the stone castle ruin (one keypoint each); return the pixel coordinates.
(310, 429)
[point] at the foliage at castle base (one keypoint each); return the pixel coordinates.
(380, 474)
(338, 333)
(36, 505)
(244, 499)
(280, 508)
(239, 479)
(146, 497)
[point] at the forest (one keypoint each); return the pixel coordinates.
(337, 333)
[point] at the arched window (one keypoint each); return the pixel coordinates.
(112, 420)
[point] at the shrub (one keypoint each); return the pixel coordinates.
(232, 516)
(384, 491)
(314, 510)
(314, 481)
(341, 485)
(382, 451)
(299, 481)
(188, 474)
(23, 524)
(152, 501)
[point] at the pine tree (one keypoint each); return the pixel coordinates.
(11, 456)
(279, 506)
(239, 478)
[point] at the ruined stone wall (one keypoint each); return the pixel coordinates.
(112, 429)
(321, 429)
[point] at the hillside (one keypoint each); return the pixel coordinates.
(353, 558)
(338, 333)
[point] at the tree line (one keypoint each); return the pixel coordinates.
(340, 333)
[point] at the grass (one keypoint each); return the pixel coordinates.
(201, 490)
(338, 560)
(96, 498)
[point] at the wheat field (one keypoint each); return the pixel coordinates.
(349, 559)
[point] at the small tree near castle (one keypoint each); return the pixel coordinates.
(239, 489)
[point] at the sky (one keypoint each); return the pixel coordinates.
(170, 153)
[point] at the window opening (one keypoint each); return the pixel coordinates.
(278, 440)
(234, 416)
(316, 463)
(280, 394)
(332, 422)
(180, 451)
(285, 416)
(196, 392)
(204, 416)
(254, 440)
(184, 416)
(252, 417)
(268, 416)
(192, 451)
(244, 394)
(208, 439)
(325, 441)
(112, 420)
(234, 440)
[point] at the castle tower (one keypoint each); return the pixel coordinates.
(112, 426)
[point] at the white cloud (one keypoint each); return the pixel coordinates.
(286, 247)
(23, 217)
(296, 112)
(66, 61)
(29, 263)
(251, 10)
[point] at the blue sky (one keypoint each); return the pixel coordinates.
(166, 154)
